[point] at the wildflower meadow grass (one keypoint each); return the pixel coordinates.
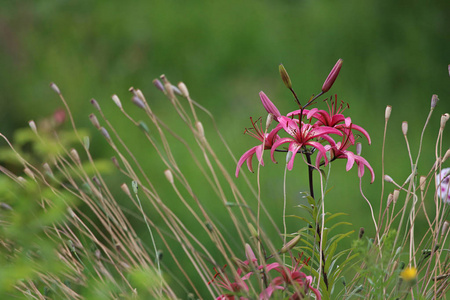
(70, 230)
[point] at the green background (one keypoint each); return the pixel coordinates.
(395, 53)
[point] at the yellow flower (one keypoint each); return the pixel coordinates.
(409, 274)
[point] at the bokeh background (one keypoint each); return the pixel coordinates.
(395, 53)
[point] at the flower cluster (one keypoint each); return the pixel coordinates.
(309, 131)
(290, 280)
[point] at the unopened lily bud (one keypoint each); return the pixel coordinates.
(105, 133)
(32, 125)
(138, 102)
(422, 183)
(444, 119)
(434, 100)
(387, 113)
(358, 148)
(269, 121)
(250, 255)
(116, 100)
(388, 178)
(395, 195)
(448, 70)
(94, 121)
(285, 76)
(158, 85)
(126, 190)
(169, 176)
(445, 227)
(291, 244)
(269, 106)
(332, 76)
(95, 104)
(361, 232)
(404, 127)
(55, 88)
(183, 89)
(86, 142)
(29, 173)
(75, 156)
(288, 156)
(253, 231)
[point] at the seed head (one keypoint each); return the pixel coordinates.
(434, 100)
(444, 119)
(387, 113)
(55, 88)
(183, 89)
(404, 127)
(169, 176)
(116, 100)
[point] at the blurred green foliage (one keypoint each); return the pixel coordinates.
(395, 53)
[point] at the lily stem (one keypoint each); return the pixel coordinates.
(311, 192)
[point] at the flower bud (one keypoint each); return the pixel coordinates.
(332, 76)
(138, 102)
(158, 85)
(126, 190)
(200, 130)
(29, 173)
(116, 100)
(269, 106)
(105, 133)
(75, 156)
(252, 229)
(444, 229)
(169, 176)
(285, 76)
(396, 194)
(422, 183)
(449, 70)
(55, 88)
(388, 178)
(434, 100)
(387, 113)
(32, 125)
(47, 169)
(444, 119)
(115, 162)
(183, 89)
(291, 244)
(404, 127)
(94, 121)
(95, 104)
(390, 199)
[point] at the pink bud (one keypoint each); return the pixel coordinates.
(332, 76)
(269, 106)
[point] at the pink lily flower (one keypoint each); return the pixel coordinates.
(303, 135)
(339, 150)
(332, 118)
(266, 139)
(293, 277)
